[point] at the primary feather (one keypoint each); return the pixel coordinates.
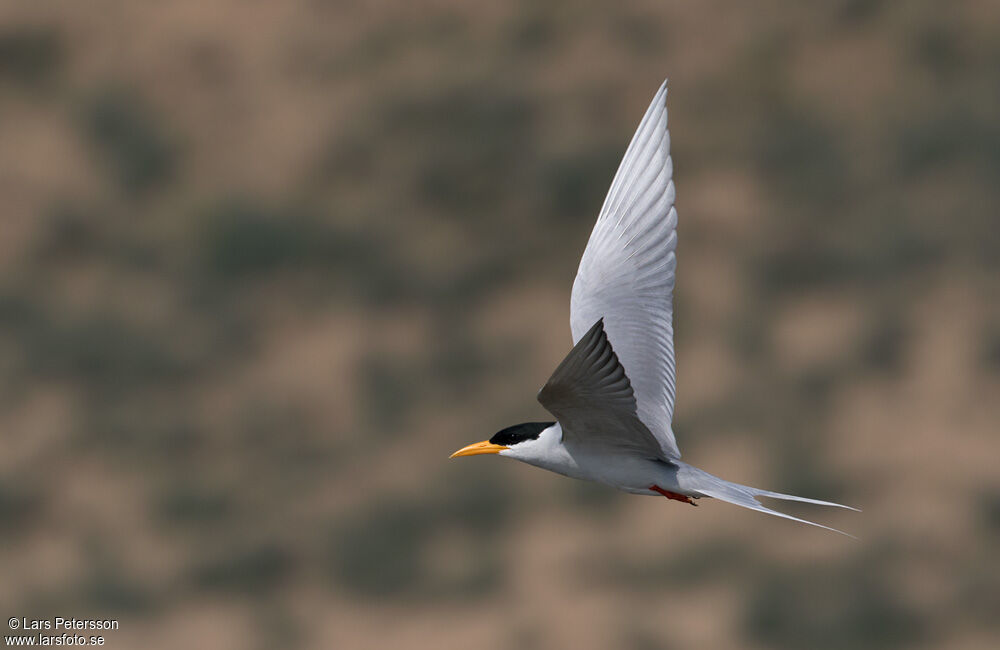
(626, 275)
(592, 398)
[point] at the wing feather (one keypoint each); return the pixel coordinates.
(627, 273)
(591, 396)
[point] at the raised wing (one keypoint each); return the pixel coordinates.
(591, 396)
(627, 272)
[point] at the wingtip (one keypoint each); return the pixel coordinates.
(595, 329)
(663, 88)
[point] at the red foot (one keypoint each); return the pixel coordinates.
(672, 495)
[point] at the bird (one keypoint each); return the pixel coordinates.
(613, 394)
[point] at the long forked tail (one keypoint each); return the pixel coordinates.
(746, 496)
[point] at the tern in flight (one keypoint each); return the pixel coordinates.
(613, 394)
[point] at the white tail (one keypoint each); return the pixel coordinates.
(745, 496)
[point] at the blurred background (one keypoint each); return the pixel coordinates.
(264, 266)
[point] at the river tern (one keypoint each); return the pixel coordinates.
(613, 394)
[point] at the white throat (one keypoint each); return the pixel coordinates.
(546, 451)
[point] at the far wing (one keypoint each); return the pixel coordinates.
(626, 275)
(591, 396)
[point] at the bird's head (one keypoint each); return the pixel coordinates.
(522, 441)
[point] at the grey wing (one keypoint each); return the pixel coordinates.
(591, 396)
(626, 275)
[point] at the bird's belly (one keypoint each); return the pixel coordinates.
(630, 473)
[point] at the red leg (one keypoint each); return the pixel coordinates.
(672, 495)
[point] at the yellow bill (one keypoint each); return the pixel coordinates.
(484, 447)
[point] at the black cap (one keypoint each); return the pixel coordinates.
(519, 433)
